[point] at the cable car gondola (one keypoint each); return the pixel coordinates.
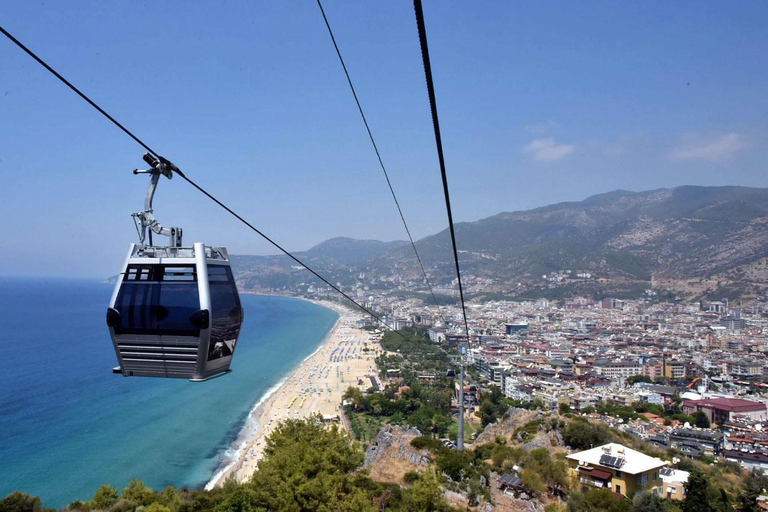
(175, 311)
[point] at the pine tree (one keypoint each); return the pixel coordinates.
(696, 497)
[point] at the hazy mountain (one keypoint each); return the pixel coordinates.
(695, 240)
(350, 251)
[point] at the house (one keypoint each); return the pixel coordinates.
(512, 485)
(614, 466)
(674, 483)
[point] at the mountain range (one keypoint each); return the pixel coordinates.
(688, 242)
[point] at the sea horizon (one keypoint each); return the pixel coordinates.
(68, 425)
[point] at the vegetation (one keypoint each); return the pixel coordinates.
(463, 468)
(541, 471)
(306, 467)
(422, 399)
(21, 502)
(583, 435)
(753, 487)
(696, 499)
(597, 500)
(669, 413)
(638, 378)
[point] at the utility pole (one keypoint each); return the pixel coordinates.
(460, 436)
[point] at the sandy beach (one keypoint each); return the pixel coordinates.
(314, 387)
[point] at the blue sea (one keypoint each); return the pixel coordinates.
(67, 424)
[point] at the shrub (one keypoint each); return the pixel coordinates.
(410, 477)
(429, 443)
(581, 435)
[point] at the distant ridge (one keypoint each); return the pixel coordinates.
(351, 251)
(688, 241)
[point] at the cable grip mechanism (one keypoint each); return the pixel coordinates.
(146, 219)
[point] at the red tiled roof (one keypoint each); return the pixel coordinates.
(727, 404)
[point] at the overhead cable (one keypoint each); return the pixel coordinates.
(189, 180)
(438, 141)
(378, 155)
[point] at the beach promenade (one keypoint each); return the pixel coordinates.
(345, 358)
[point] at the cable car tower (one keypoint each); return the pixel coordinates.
(175, 311)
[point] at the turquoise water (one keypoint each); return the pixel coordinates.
(67, 424)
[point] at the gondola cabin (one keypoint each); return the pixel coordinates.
(175, 312)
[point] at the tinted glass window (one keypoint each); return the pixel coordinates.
(226, 315)
(157, 299)
(180, 274)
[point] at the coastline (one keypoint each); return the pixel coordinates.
(305, 390)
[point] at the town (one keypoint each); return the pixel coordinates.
(681, 377)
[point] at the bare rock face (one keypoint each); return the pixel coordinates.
(514, 418)
(391, 455)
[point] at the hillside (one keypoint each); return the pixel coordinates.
(693, 241)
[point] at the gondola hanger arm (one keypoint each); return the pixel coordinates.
(146, 218)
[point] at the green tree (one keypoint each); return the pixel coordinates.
(701, 420)
(355, 397)
(410, 477)
(21, 502)
(751, 490)
(454, 463)
(105, 497)
(156, 507)
(423, 418)
(597, 500)
(696, 494)
(724, 502)
(532, 480)
(306, 467)
(582, 435)
(638, 378)
(500, 454)
(487, 412)
(440, 424)
(171, 498)
(425, 495)
(242, 499)
(138, 492)
(647, 502)
(652, 408)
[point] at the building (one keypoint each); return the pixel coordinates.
(623, 470)
(723, 410)
(436, 334)
(619, 370)
(512, 485)
(733, 323)
(674, 482)
(741, 369)
(750, 461)
(674, 370)
(400, 323)
(490, 370)
(694, 443)
(516, 327)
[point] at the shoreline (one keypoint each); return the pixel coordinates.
(296, 392)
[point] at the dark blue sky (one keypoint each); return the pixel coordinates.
(540, 102)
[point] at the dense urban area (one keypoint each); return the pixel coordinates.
(580, 404)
